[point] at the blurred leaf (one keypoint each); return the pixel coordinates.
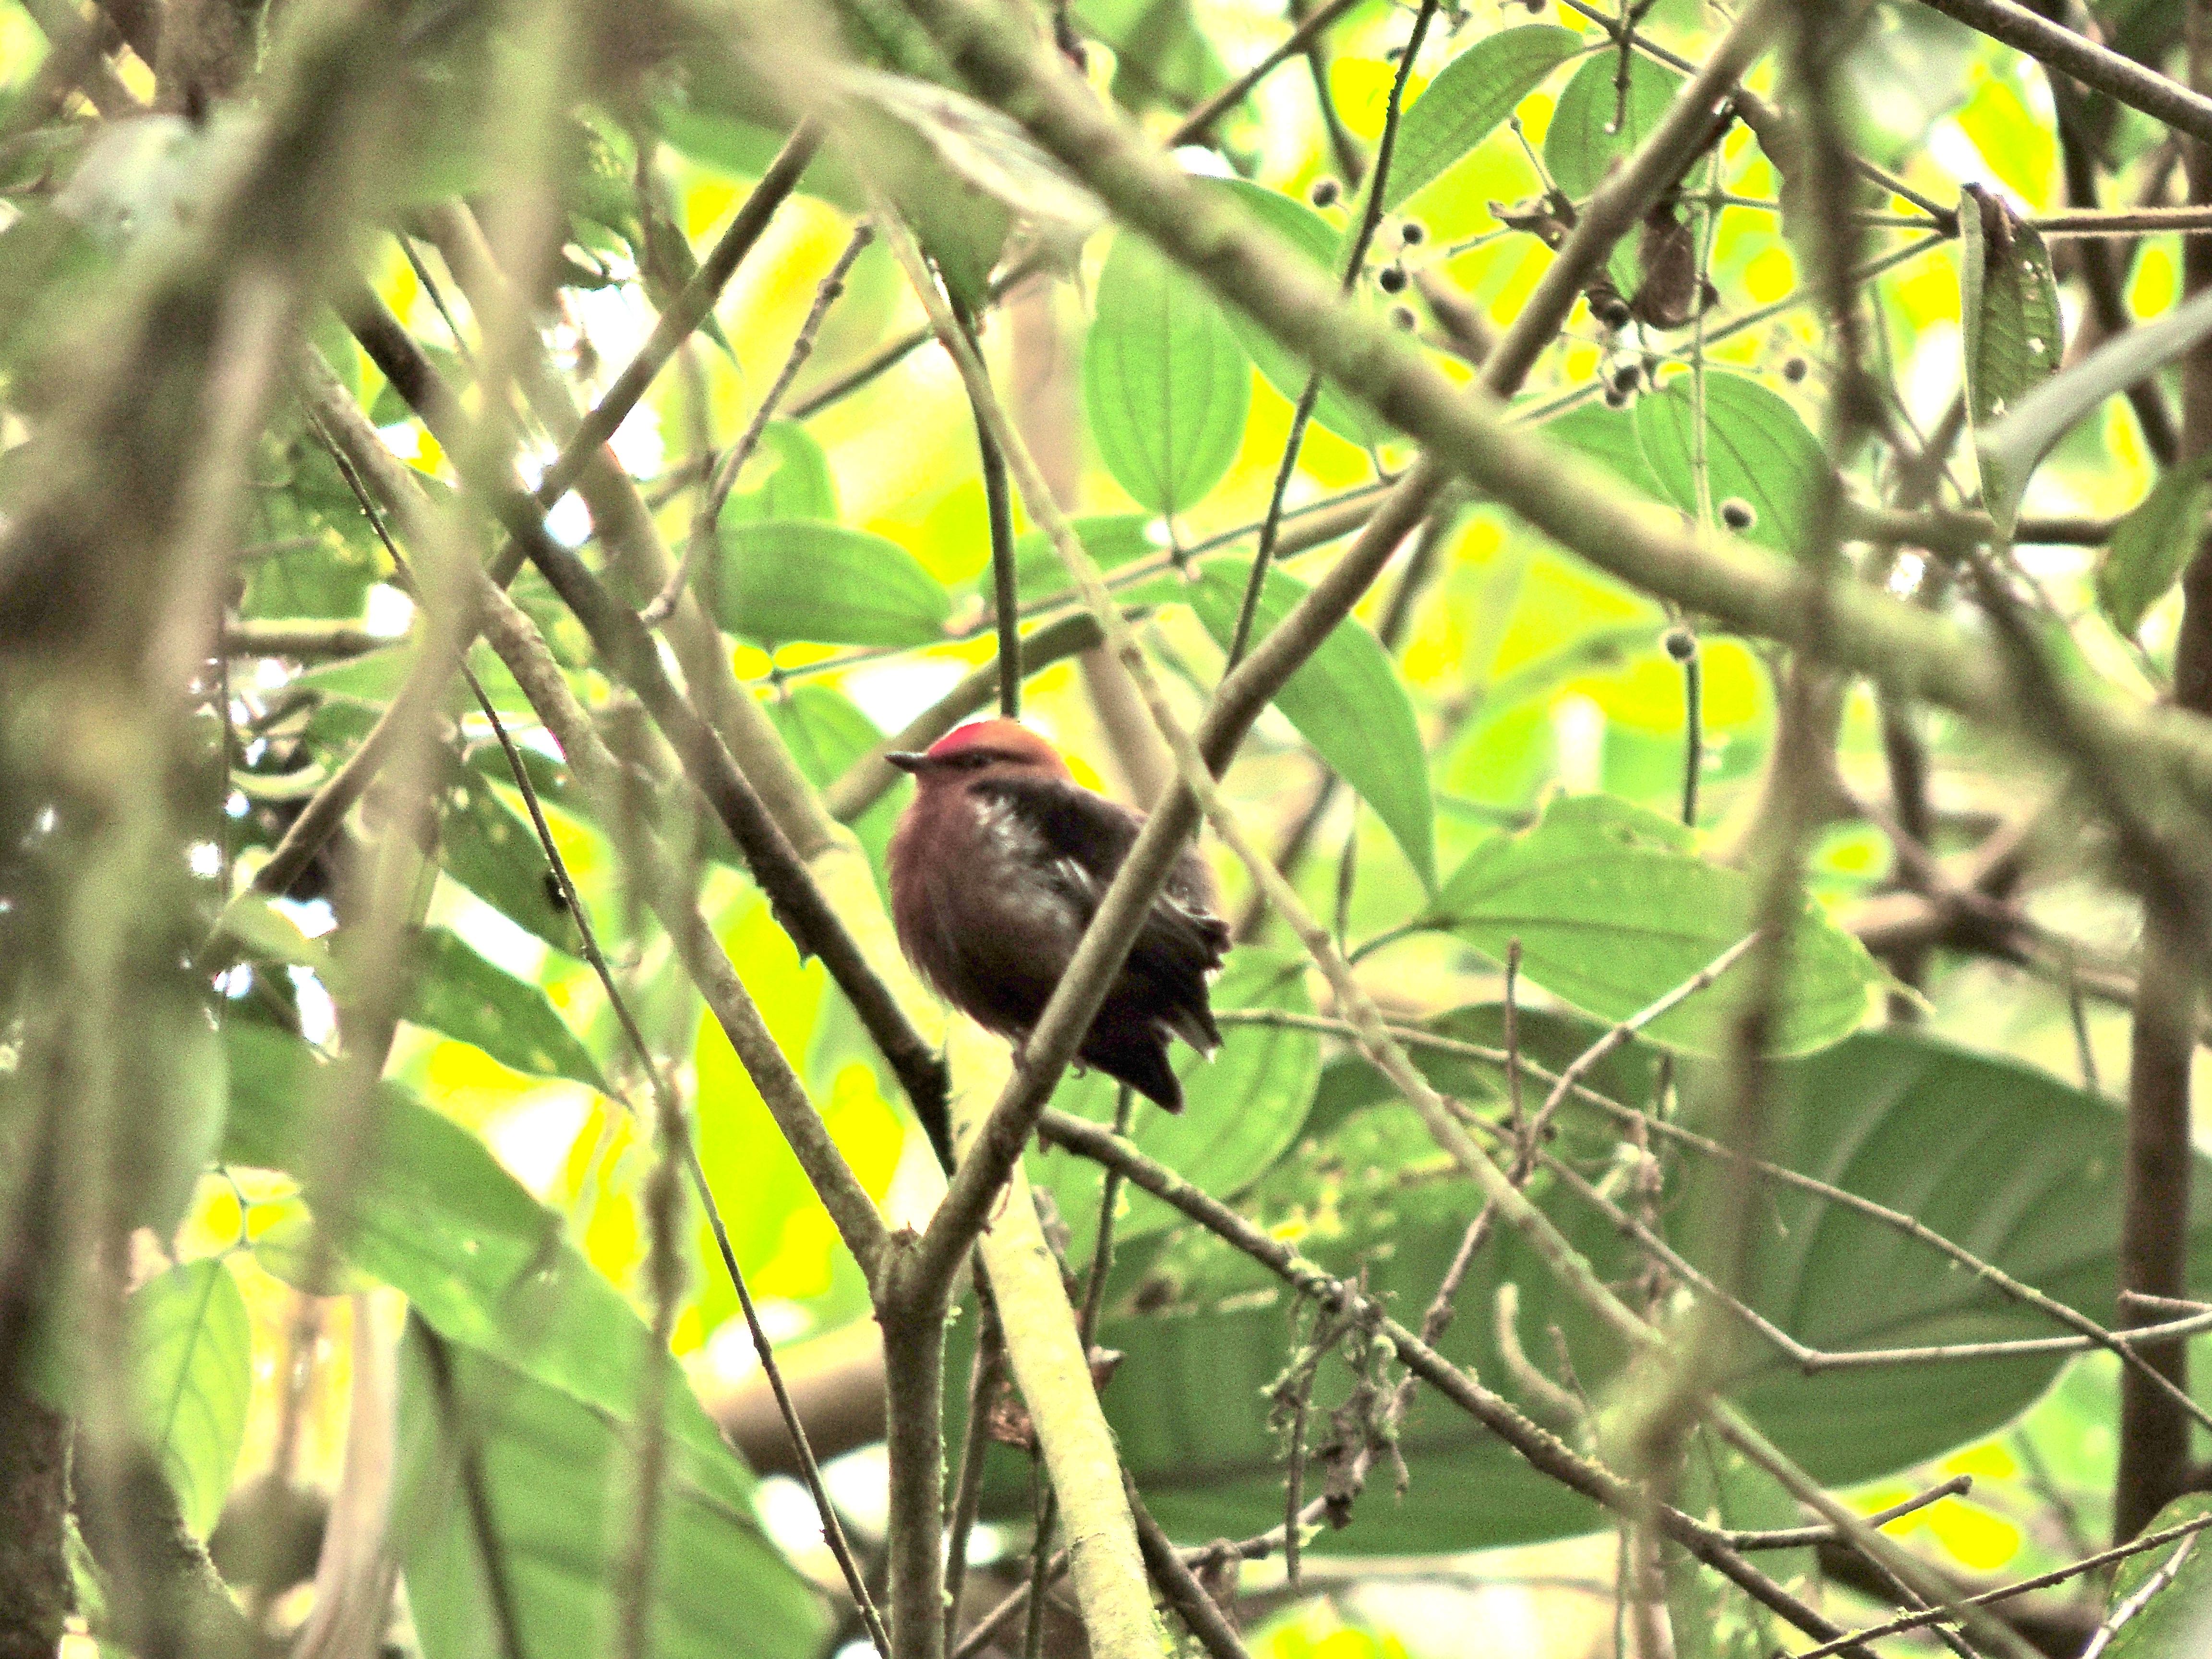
(2015, 445)
(1242, 1110)
(1161, 56)
(2010, 308)
(496, 854)
(2152, 545)
(1165, 382)
(1348, 701)
(191, 1373)
(825, 732)
(797, 483)
(1588, 132)
(1468, 99)
(1313, 238)
(458, 992)
(433, 1215)
(1612, 910)
(1757, 451)
(784, 580)
(1112, 540)
(2176, 1618)
(1608, 436)
(558, 1480)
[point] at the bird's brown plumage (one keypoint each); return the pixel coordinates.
(996, 868)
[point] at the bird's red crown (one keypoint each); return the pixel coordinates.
(1006, 739)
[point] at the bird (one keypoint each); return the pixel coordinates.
(996, 868)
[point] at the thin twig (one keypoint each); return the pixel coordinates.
(1355, 255)
(2042, 1581)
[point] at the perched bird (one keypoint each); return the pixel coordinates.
(999, 865)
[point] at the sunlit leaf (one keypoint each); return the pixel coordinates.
(458, 992)
(1317, 241)
(1348, 701)
(191, 1376)
(1164, 382)
(1612, 910)
(495, 853)
(1608, 436)
(786, 580)
(786, 477)
(1593, 126)
(1758, 454)
(1471, 96)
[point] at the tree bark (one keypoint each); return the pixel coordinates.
(2154, 1454)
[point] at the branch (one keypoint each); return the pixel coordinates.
(2117, 76)
(327, 809)
(2170, 756)
(1542, 1449)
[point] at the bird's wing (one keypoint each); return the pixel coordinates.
(1084, 838)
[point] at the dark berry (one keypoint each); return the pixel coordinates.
(1794, 370)
(1412, 233)
(1612, 311)
(1681, 644)
(1615, 399)
(1737, 515)
(1391, 279)
(1324, 192)
(1626, 377)
(1401, 317)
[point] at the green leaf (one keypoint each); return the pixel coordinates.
(2176, 1616)
(558, 1480)
(1314, 238)
(787, 477)
(1242, 1110)
(1112, 540)
(458, 992)
(1468, 99)
(1588, 135)
(1757, 452)
(825, 732)
(1348, 701)
(495, 852)
(2154, 543)
(2010, 308)
(1165, 382)
(191, 1373)
(1160, 52)
(2016, 443)
(2019, 1167)
(1608, 437)
(434, 1215)
(1612, 910)
(782, 580)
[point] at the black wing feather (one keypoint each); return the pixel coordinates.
(1181, 940)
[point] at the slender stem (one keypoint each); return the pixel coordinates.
(998, 502)
(1370, 219)
(1179, 1585)
(675, 1127)
(1542, 1449)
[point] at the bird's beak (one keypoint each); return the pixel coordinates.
(907, 760)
